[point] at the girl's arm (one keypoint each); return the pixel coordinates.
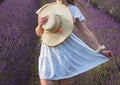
(90, 39)
(39, 31)
(87, 35)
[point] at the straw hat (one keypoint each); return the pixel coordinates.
(59, 24)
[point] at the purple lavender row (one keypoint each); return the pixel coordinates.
(17, 41)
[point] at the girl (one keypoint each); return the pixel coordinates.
(74, 56)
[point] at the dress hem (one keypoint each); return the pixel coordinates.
(76, 73)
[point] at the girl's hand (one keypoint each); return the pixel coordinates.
(42, 20)
(39, 29)
(107, 53)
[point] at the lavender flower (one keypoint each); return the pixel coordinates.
(18, 41)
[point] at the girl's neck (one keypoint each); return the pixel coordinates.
(64, 2)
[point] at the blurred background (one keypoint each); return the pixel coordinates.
(20, 47)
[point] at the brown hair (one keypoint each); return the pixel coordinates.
(73, 2)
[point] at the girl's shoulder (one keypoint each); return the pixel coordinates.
(76, 12)
(72, 7)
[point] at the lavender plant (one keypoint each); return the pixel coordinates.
(17, 41)
(111, 7)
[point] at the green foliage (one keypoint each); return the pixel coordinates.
(111, 7)
(45, 1)
(94, 3)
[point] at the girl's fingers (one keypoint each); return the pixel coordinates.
(110, 54)
(42, 20)
(43, 17)
(45, 20)
(107, 53)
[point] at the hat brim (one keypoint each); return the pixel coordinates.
(53, 39)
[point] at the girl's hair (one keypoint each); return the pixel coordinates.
(73, 2)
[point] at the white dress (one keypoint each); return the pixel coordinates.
(70, 58)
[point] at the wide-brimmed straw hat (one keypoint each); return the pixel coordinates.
(59, 24)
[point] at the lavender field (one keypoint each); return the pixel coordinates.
(17, 41)
(19, 46)
(111, 7)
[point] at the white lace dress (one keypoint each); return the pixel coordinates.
(70, 58)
